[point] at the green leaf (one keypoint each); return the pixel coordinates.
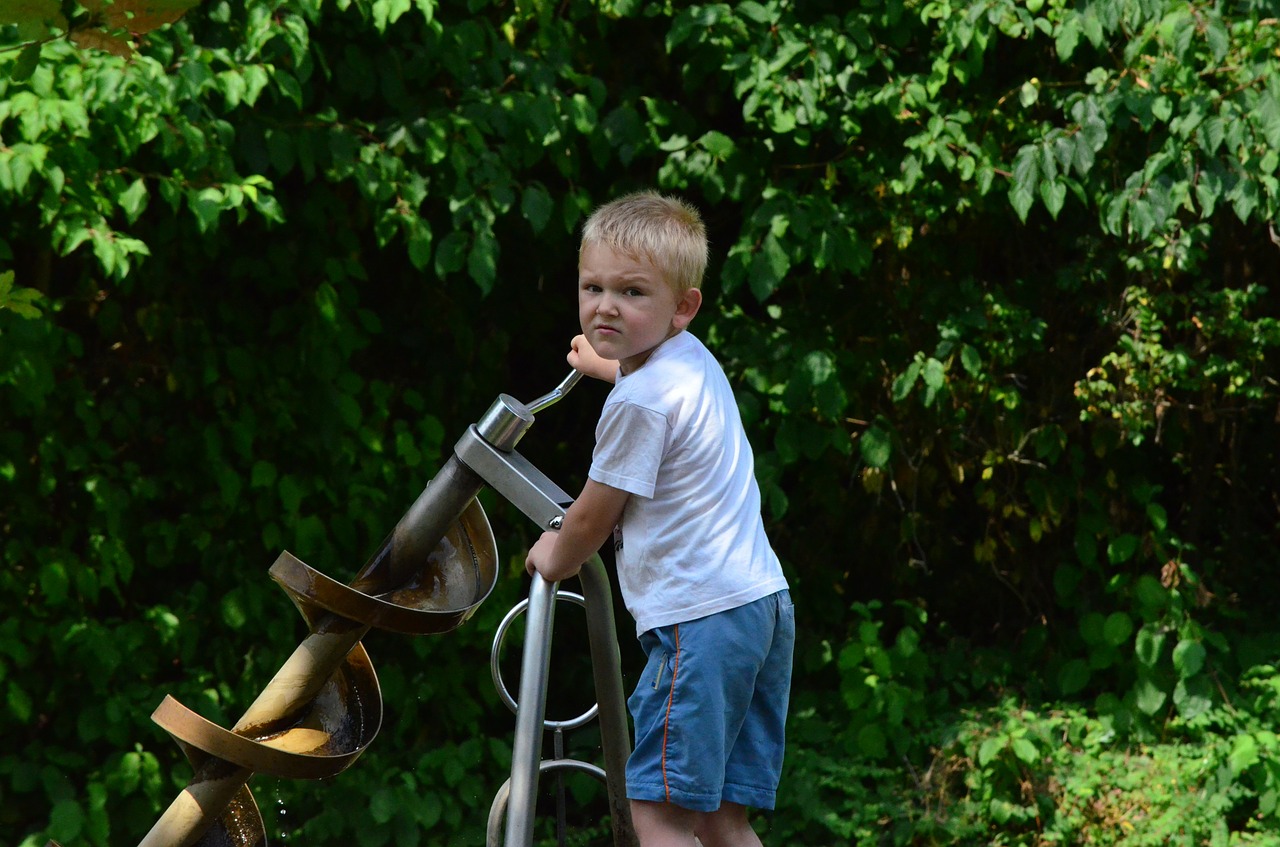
(1188, 658)
(1074, 676)
(905, 381)
(382, 806)
(134, 200)
(1267, 118)
(875, 446)
(1151, 595)
(28, 59)
(451, 253)
(291, 493)
(1218, 38)
(1158, 516)
(206, 203)
(420, 245)
(33, 18)
(991, 748)
(719, 145)
(1212, 131)
(1117, 629)
(66, 820)
(1244, 754)
(234, 613)
(1092, 628)
(1068, 35)
(1029, 93)
(1054, 194)
(54, 582)
(536, 205)
(1025, 751)
(1148, 697)
(935, 377)
(872, 742)
(1149, 646)
(769, 268)
(19, 702)
(1121, 549)
(21, 301)
(1193, 697)
(482, 261)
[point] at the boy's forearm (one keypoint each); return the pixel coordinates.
(574, 545)
(588, 524)
(583, 358)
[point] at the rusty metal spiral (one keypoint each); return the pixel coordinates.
(324, 706)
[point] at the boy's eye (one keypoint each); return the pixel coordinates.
(634, 292)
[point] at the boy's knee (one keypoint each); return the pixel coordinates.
(726, 827)
(662, 824)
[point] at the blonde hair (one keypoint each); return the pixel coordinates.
(665, 231)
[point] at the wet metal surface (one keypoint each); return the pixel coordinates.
(324, 706)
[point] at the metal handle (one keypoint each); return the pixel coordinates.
(556, 394)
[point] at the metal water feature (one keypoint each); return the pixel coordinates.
(324, 707)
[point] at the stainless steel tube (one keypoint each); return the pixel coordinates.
(606, 667)
(531, 711)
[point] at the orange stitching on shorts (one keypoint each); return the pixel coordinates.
(666, 723)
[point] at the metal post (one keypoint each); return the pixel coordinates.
(606, 668)
(526, 753)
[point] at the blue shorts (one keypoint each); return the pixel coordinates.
(711, 708)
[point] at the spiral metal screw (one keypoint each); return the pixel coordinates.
(324, 705)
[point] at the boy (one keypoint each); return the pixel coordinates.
(672, 480)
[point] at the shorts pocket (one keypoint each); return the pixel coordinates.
(661, 671)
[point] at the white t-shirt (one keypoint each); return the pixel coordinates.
(691, 541)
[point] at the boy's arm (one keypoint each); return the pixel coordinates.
(583, 358)
(588, 523)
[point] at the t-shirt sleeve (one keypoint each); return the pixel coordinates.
(630, 441)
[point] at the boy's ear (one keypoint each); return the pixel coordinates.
(686, 307)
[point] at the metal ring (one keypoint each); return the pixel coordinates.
(498, 809)
(519, 608)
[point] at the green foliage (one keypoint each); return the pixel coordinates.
(19, 300)
(1011, 775)
(994, 282)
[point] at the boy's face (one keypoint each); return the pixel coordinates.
(626, 307)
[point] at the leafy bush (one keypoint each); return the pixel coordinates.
(993, 280)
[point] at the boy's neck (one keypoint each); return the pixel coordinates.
(673, 334)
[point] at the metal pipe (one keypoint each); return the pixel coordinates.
(530, 712)
(606, 667)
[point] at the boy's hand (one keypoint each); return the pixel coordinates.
(539, 558)
(584, 359)
(588, 523)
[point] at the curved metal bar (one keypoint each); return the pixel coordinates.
(556, 394)
(498, 809)
(505, 695)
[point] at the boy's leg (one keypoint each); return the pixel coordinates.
(727, 826)
(662, 824)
